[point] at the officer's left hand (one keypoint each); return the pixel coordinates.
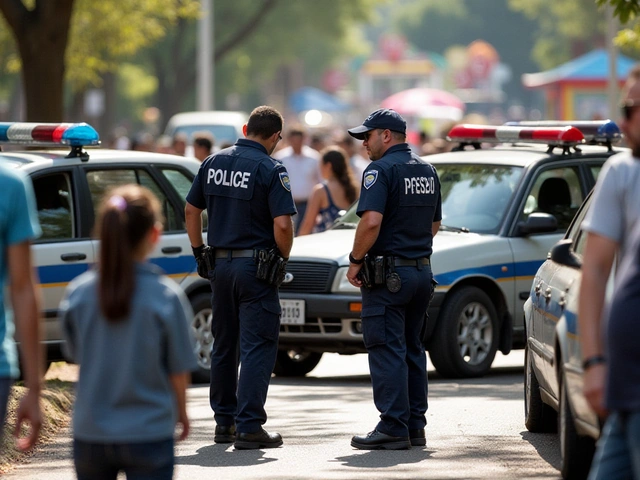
(352, 275)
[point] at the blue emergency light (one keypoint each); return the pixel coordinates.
(49, 134)
(596, 132)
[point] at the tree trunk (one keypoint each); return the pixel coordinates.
(42, 35)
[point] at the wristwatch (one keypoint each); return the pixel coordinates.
(353, 260)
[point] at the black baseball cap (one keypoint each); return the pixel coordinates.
(383, 118)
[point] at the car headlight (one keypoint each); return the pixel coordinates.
(341, 284)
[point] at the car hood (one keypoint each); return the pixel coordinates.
(336, 244)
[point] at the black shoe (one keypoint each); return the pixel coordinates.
(379, 441)
(259, 439)
(225, 434)
(418, 438)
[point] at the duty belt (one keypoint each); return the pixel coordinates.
(406, 262)
(225, 253)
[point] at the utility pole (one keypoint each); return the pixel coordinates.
(206, 69)
(612, 84)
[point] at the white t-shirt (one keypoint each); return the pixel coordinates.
(303, 169)
(615, 207)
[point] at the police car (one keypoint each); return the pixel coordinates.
(553, 383)
(69, 183)
(503, 208)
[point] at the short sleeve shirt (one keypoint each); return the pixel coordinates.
(124, 393)
(243, 189)
(18, 223)
(406, 191)
(615, 207)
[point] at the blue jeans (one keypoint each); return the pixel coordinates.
(5, 389)
(618, 450)
(139, 461)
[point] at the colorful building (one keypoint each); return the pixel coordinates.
(577, 90)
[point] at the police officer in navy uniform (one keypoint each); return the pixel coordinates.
(248, 199)
(400, 210)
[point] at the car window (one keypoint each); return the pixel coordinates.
(555, 191)
(577, 234)
(595, 171)
(101, 181)
(55, 206)
(182, 184)
(221, 133)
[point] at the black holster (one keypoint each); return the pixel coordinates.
(272, 266)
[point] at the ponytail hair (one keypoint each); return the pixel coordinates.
(338, 159)
(125, 217)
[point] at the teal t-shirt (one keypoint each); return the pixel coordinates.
(18, 223)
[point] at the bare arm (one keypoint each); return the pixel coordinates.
(366, 235)
(283, 233)
(25, 301)
(193, 222)
(179, 382)
(598, 258)
(313, 208)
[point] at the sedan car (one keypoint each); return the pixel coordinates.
(553, 359)
(69, 183)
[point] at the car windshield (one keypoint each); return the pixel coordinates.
(474, 197)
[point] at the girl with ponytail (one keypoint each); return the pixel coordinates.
(126, 325)
(337, 192)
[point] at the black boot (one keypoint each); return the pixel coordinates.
(225, 434)
(380, 441)
(259, 439)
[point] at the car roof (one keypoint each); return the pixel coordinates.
(518, 155)
(213, 117)
(34, 160)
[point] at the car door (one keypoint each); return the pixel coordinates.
(173, 252)
(556, 190)
(64, 250)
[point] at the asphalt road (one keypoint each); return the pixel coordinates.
(475, 431)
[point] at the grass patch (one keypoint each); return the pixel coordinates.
(57, 399)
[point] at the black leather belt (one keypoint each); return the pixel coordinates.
(406, 262)
(225, 253)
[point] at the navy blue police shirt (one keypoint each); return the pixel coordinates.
(406, 191)
(243, 189)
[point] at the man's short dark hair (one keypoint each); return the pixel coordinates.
(264, 121)
(204, 139)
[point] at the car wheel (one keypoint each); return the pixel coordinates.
(538, 416)
(576, 451)
(295, 363)
(465, 340)
(201, 327)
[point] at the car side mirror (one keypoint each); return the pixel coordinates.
(537, 223)
(563, 254)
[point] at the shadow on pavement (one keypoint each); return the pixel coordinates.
(224, 456)
(383, 458)
(547, 446)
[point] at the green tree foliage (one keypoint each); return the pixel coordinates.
(254, 41)
(627, 12)
(56, 45)
(566, 28)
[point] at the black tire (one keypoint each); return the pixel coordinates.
(295, 363)
(201, 327)
(576, 451)
(538, 416)
(466, 336)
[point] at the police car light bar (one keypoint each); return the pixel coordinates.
(599, 132)
(565, 136)
(49, 134)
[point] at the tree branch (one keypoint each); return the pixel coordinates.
(243, 31)
(15, 13)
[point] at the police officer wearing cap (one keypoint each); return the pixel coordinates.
(248, 199)
(400, 210)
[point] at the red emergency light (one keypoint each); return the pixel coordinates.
(566, 136)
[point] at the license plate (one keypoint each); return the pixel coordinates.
(292, 312)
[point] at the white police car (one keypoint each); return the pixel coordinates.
(68, 185)
(503, 209)
(553, 383)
